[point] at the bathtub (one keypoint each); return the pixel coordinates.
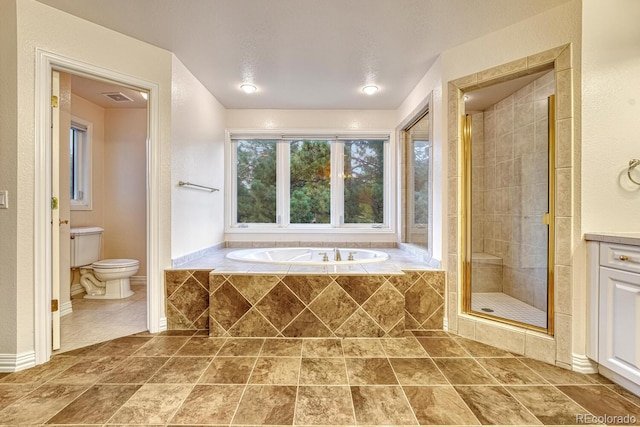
(308, 256)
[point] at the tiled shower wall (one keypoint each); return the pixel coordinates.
(510, 170)
(304, 305)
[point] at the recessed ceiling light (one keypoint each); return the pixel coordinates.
(248, 88)
(370, 89)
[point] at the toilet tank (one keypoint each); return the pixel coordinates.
(85, 245)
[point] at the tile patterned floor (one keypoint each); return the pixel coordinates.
(179, 378)
(93, 321)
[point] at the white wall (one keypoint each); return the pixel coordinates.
(198, 129)
(8, 178)
(42, 27)
(125, 185)
(610, 111)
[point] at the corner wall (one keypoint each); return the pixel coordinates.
(198, 124)
(498, 53)
(43, 27)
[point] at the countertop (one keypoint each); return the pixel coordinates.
(626, 238)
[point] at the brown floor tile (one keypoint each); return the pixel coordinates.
(439, 406)
(228, 370)
(625, 393)
(184, 370)
(9, 393)
(282, 347)
(88, 370)
(241, 347)
(417, 371)
(478, 349)
(276, 370)
(402, 347)
(322, 347)
(135, 370)
(362, 347)
(555, 374)
(85, 351)
(430, 333)
(368, 407)
(363, 371)
(601, 400)
(548, 404)
(96, 405)
(323, 371)
(494, 405)
(324, 405)
(124, 346)
(41, 373)
(201, 346)
(510, 371)
(464, 371)
(209, 404)
(442, 347)
(266, 404)
(161, 346)
(177, 333)
(40, 405)
(152, 404)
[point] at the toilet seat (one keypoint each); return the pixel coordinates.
(115, 263)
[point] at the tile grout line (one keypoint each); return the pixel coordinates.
(246, 385)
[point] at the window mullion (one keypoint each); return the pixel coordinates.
(283, 182)
(337, 184)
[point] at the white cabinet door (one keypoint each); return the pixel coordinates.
(619, 344)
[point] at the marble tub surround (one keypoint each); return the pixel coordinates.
(324, 305)
(188, 295)
(186, 378)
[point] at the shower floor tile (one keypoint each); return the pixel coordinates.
(508, 307)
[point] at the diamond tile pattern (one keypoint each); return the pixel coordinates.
(314, 305)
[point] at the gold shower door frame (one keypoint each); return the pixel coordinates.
(548, 218)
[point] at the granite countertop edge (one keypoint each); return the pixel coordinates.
(623, 238)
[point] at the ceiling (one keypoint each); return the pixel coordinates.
(306, 54)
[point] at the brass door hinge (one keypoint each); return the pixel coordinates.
(54, 101)
(54, 305)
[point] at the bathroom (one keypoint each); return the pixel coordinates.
(107, 148)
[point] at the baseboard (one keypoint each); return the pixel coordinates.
(163, 324)
(17, 362)
(66, 308)
(584, 365)
(76, 289)
(138, 280)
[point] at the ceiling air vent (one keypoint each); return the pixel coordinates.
(117, 96)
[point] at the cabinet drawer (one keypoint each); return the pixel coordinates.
(622, 257)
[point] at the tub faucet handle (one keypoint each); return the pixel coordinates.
(351, 254)
(325, 257)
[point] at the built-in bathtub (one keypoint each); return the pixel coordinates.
(392, 292)
(309, 256)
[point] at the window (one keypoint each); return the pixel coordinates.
(418, 149)
(80, 164)
(310, 182)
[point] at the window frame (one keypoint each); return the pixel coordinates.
(283, 224)
(84, 165)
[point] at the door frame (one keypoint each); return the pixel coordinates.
(45, 63)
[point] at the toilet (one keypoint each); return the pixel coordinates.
(101, 279)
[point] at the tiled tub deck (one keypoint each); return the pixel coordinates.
(244, 300)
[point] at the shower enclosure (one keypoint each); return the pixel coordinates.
(509, 201)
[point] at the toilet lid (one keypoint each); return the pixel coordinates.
(115, 263)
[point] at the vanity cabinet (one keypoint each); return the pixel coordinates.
(615, 309)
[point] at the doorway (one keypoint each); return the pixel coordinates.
(508, 201)
(103, 133)
(46, 62)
